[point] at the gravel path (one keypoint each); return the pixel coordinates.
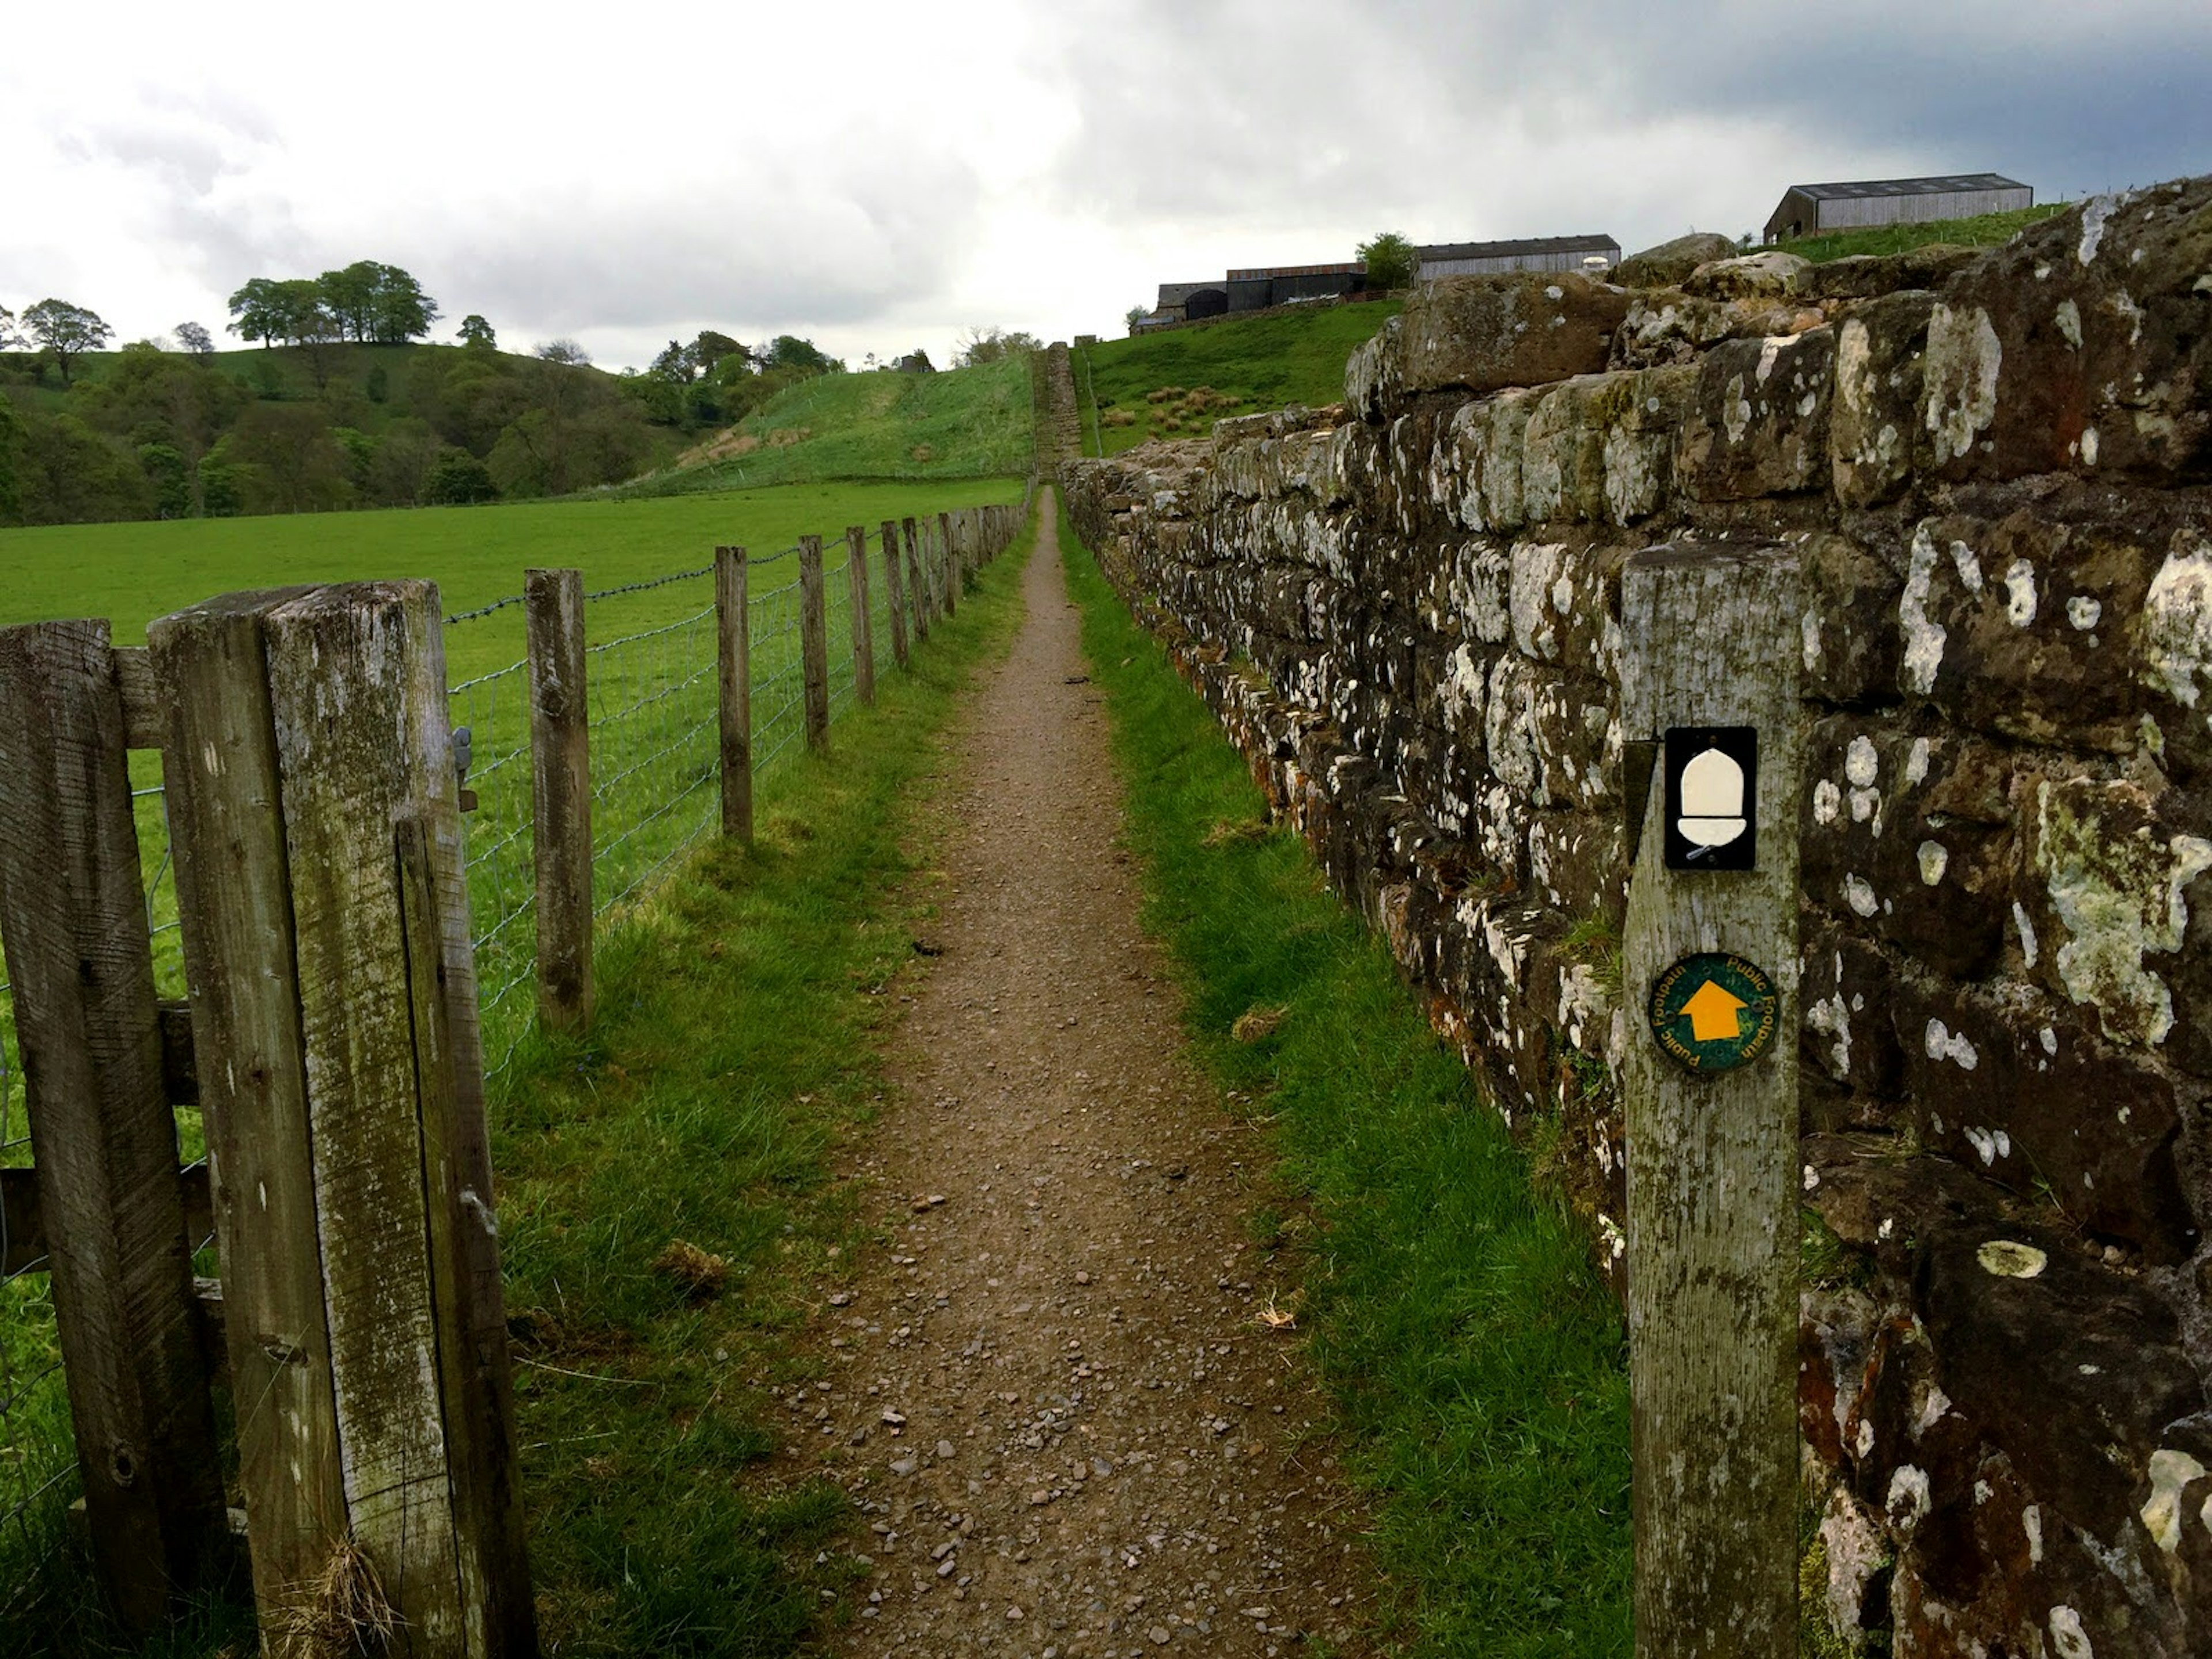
(1057, 1397)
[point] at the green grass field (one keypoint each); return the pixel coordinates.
(1987, 230)
(962, 424)
(654, 753)
(1177, 383)
(1478, 1363)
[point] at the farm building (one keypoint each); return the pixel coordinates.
(1814, 210)
(1174, 299)
(1257, 288)
(1529, 254)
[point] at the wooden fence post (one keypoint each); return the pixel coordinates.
(561, 795)
(864, 625)
(234, 902)
(813, 643)
(917, 580)
(1711, 970)
(947, 567)
(103, 1135)
(357, 678)
(733, 631)
(894, 593)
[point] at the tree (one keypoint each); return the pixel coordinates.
(1390, 259)
(991, 345)
(66, 332)
(564, 351)
(712, 346)
(1136, 314)
(257, 312)
(349, 297)
(788, 351)
(677, 365)
(457, 478)
(9, 338)
(399, 311)
(11, 449)
(474, 331)
(196, 339)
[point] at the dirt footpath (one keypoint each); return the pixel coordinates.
(1058, 1397)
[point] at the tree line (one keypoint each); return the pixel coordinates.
(325, 416)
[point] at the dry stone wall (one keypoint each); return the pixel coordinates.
(1993, 468)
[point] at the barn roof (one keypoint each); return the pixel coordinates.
(1942, 184)
(1525, 244)
(1255, 273)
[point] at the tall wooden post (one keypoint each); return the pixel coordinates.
(813, 643)
(917, 580)
(335, 1016)
(103, 1136)
(234, 899)
(1711, 643)
(561, 795)
(864, 625)
(948, 570)
(894, 593)
(733, 634)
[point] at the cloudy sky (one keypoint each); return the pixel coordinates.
(882, 176)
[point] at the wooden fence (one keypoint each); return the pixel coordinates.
(332, 1043)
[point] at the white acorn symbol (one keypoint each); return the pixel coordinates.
(1713, 800)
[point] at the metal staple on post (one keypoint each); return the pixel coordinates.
(561, 792)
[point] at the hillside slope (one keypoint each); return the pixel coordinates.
(1178, 382)
(962, 424)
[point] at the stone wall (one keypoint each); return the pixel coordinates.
(1992, 467)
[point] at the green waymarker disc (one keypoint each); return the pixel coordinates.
(1713, 1013)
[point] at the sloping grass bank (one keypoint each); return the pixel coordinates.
(1478, 1364)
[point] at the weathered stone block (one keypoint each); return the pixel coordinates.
(1486, 333)
(2109, 869)
(2085, 343)
(1578, 863)
(1576, 722)
(1374, 381)
(1487, 439)
(1666, 327)
(1846, 1036)
(1851, 644)
(1563, 451)
(1760, 422)
(2004, 626)
(2174, 646)
(1668, 264)
(2021, 1091)
(1913, 835)
(1869, 276)
(1870, 434)
(1564, 599)
(1639, 442)
(1770, 275)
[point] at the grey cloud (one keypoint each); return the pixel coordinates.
(1207, 109)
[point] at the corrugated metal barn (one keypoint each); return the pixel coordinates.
(1279, 285)
(1814, 210)
(1529, 253)
(1174, 296)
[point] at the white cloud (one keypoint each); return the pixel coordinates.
(880, 176)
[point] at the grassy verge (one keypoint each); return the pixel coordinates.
(665, 1199)
(1987, 230)
(1478, 1363)
(1177, 383)
(665, 1204)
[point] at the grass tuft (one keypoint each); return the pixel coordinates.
(1478, 1363)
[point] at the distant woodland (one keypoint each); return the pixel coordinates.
(338, 398)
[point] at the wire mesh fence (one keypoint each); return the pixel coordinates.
(38, 1451)
(653, 656)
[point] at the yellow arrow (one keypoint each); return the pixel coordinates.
(1713, 1013)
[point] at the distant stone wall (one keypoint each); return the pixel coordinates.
(1993, 467)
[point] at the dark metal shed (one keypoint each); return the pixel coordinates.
(1815, 209)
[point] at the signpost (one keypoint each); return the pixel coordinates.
(1710, 697)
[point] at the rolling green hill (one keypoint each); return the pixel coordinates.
(962, 424)
(1176, 383)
